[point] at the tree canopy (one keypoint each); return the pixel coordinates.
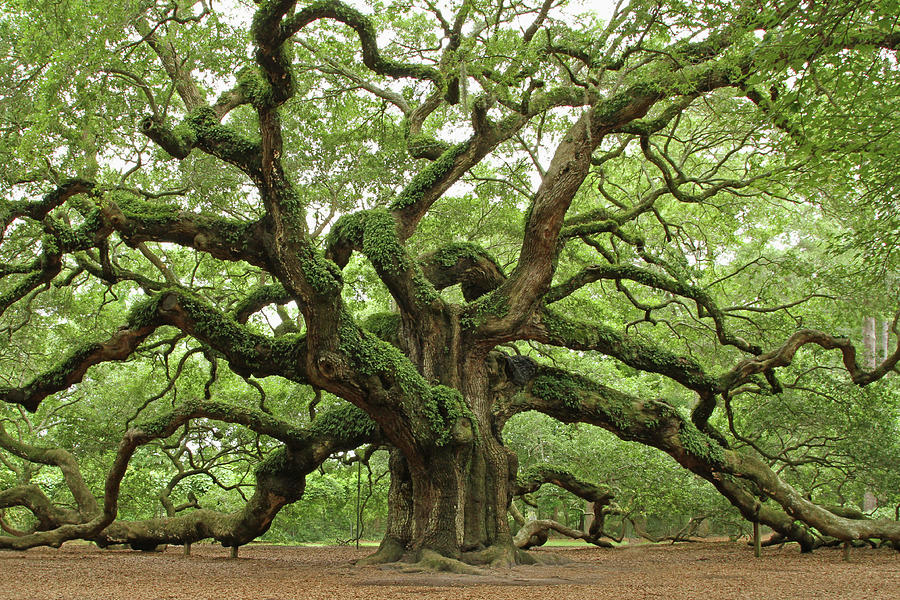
(239, 239)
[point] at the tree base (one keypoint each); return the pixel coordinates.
(469, 563)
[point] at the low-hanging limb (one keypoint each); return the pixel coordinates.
(86, 504)
(280, 480)
(572, 398)
(534, 533)
(86, 529)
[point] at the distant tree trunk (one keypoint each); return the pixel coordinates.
(588, 515)
(870, 356)
(869, 342)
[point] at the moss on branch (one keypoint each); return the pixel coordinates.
(201, 129)
(385, 326)
(470, 265)
(579, 335)
(433, 412)
(429, 177)
(259, 297)
(138, 221)
(247, 352)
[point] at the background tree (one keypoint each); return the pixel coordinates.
(659, 223)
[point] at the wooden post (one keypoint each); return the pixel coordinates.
(187, 549)
(846, 551)
(757, 543)
(234, 551)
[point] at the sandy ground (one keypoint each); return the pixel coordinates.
(709, 570)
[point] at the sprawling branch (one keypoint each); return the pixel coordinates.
(374, 233)
(600, 497)
(201, 129)
(556, 330)
(705, 304)
(86, 529)
(247, 353)
(280, 480)
(84, 500)
(532, 480)
(534, 533)
(225, 239)
(469, 265)
(32, 498)
(259, 298)
(71, 371)
(39, 209)
(531, 279)
(364, 28)
(571, 398)
(185, 85)
(782, 356)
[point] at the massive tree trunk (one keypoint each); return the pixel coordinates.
(450, 493)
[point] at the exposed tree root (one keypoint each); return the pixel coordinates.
(389, 551)
(392, 552)
(429, 560)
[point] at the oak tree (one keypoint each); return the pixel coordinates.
(438, 216)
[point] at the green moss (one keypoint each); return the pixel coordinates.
(439, 406)
(276, 463)
(423, 145)
(608, 110)
(260, 296)
(221, 140)
(345, 421)
(246, 351)
(582, 396)
(451, 254)
(323, 275)
(380, 242)
(374, 357)
(50, 244)
(184, 136)
(490, 305)
(560, 390)
(581, 335)
(254, 87)
(221, 330)
(22, 287)
(56, 378)
(425, 293)
(374, 233)
(429, 177)
(540, 472)
(149, 213)
(697, 443)
(444, 408)
(144, 312)
(385, 325)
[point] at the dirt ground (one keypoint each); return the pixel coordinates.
(709, 570)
